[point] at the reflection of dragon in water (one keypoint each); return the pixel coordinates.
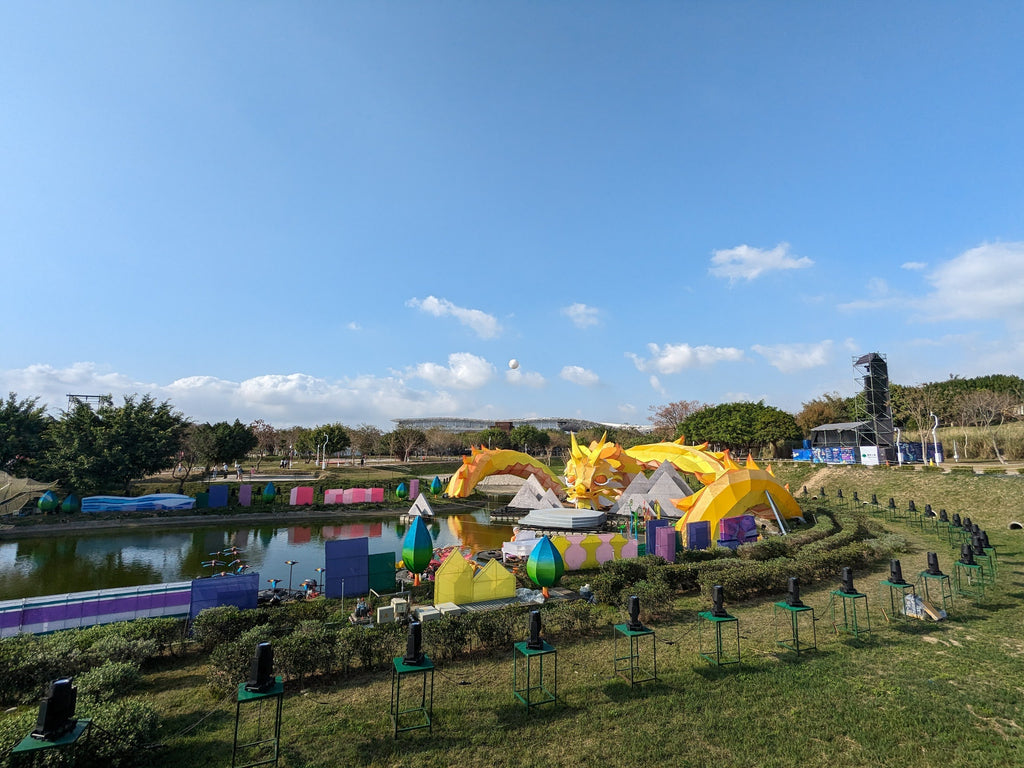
(596, 476)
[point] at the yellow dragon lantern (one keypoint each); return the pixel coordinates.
(596, 475)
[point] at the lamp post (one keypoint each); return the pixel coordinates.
(324, 452)
(935, 440)
(899, 450)
(291, 564)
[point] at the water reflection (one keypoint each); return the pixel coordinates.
(59, 564)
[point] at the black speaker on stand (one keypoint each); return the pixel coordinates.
(57, 711)
(414, 645)
(261, 671)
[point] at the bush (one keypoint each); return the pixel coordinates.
(569, 619)
(108, 681)
(230, 661)
(446, 637)
(216, 627)
(116, 647)
(500, 628)
(306, 651)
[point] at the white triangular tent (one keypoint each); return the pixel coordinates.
(421, 507)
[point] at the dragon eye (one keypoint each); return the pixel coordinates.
(600, 479)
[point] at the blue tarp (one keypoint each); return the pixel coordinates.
(347, 561)
(241, 590)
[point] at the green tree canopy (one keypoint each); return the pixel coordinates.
(108, 448)
(527, 437)
(741, 427)
(493, 438)
(22, 425)
(335, 435)
(223, 443)
(403, 442)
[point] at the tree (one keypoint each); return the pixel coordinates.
(366, 439)
(666, 418)
(830, 408)
(226, 443)
(110, 447)
(741, 427)
(526, 436)
(330, 439)
(402, 442)
(558, 442)
(266, 440)
(440, 442)
(22, 426)
(493, 438)
(987, 410)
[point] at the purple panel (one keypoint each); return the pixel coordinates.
(348, 561)
(414, 488)
(665, 543)
(228, 590)
(652, 526)
(698, 535)
(245, 495)
(9, 619)
(218, 496)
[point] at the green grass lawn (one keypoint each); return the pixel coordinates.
(916, 694)
(919, 694)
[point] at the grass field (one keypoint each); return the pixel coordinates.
(909, 695)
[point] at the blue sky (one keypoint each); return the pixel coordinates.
(312, 212)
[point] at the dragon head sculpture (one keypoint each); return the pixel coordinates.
(597, 475)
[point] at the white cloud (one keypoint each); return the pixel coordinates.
(913, 265)
(627, 409)
(464, 371)
(983, 283)
(520, 378)
(656, 384)
(579, 375)
(878, 296)
(581, 315)
(673, 358)
(282, 400)
(484, 325)
(354, 326)
(747, 263)
(790, 358)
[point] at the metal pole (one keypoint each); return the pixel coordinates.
(899, 450)
(935, 439)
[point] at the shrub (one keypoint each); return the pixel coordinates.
(500, 628)
(116, 647)
(219, 626)
(565, 619)
(108, 681)
(446, 637)
(306, 651)
(230, 661)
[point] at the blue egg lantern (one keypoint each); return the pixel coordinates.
(417, 549)
(545, 565)
(435, 486)
(48, 502)
(402, 491)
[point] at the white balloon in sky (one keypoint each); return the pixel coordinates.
(513, 363)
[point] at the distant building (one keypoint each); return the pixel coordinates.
(458, 425)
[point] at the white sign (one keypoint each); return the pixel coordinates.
(869, 455)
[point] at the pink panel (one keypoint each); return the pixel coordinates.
(665, 543)
(356, 531)
(606, 551)
(376, 530)
(358, 495)
(346, 496)
(333, 496)
(377, 495)
(629, 549)
(293, 497)
(302, 495)
(414, 488)
(574, 553)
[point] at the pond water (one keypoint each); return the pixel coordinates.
(78, 563)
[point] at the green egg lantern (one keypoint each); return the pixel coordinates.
(269, 492)
(71, 503)
(545, 565)
(47, 502)
(417, 549)
(402, 491)
(435, 486)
